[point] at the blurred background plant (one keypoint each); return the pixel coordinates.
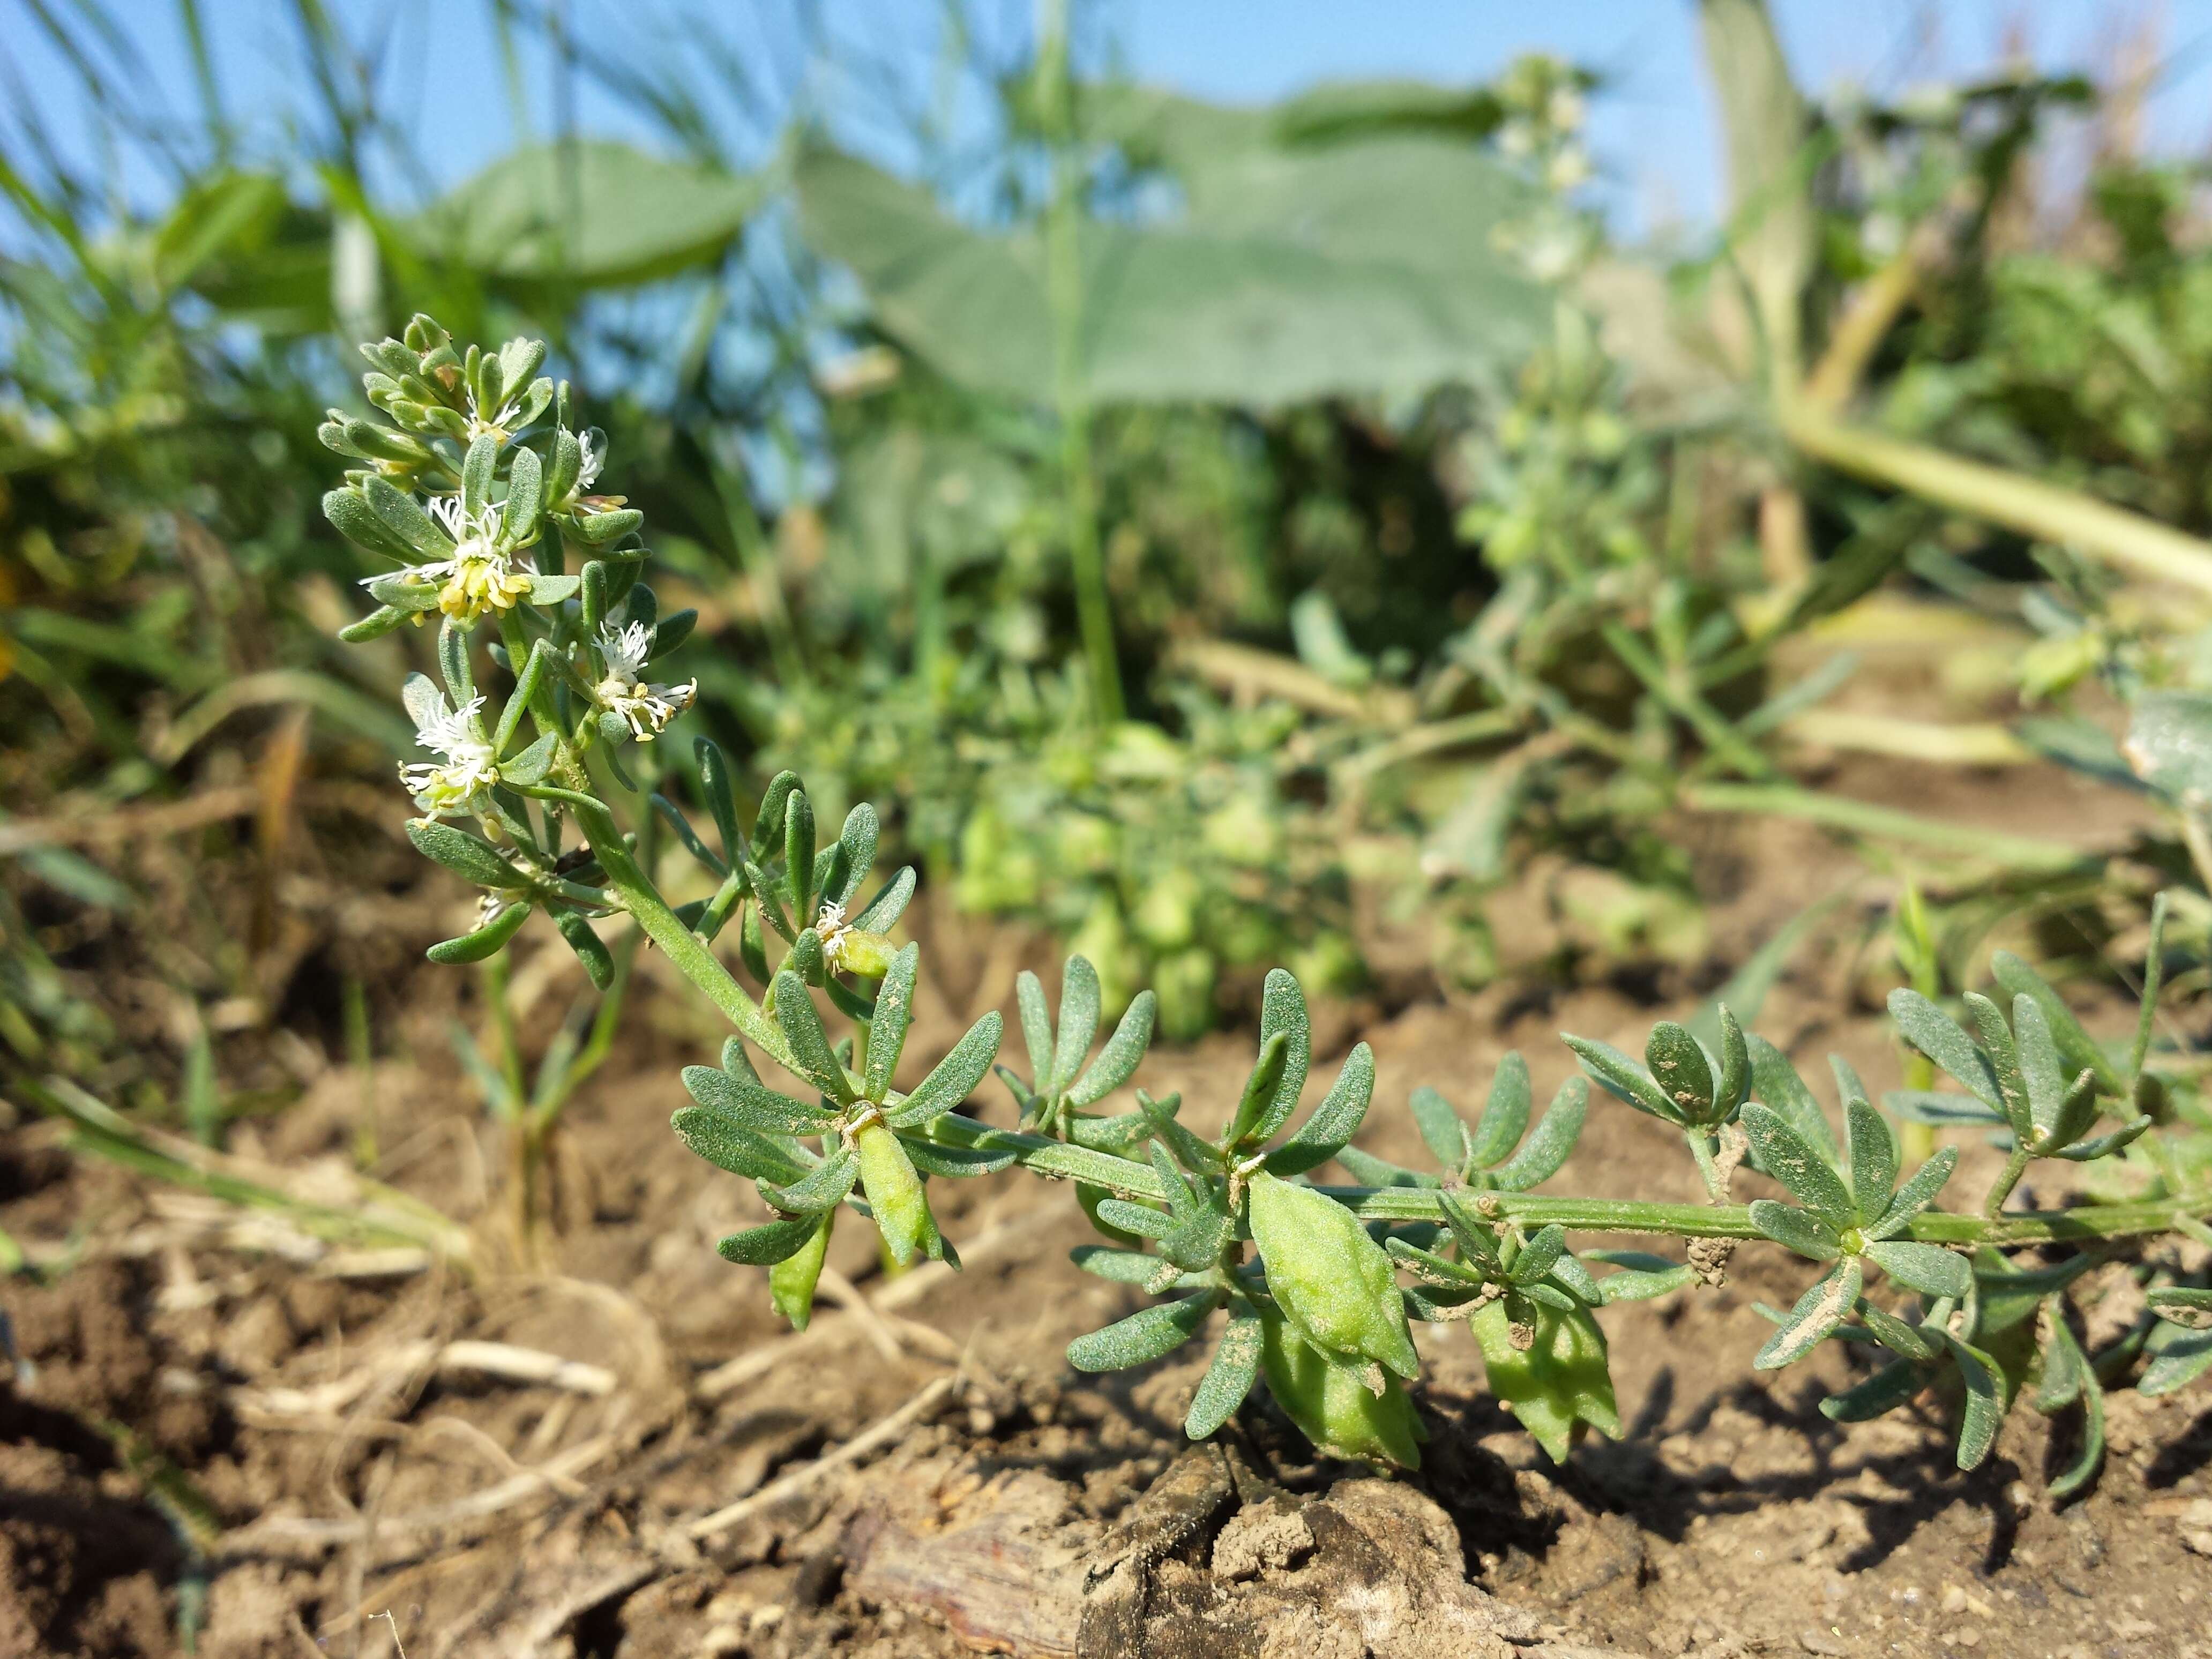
(1221, 536)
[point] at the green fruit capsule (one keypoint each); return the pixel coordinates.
(1331, 1404)
(896, 1194)
(791, 1282)
(1329, 1275)
(860, 952)
(1559, 1383)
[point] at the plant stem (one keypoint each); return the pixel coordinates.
(2041, 511)
(1127, 1178)
(1063, 260)
(1864, 818)
(2015, 1166)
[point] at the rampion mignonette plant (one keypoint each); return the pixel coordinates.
(480, 491)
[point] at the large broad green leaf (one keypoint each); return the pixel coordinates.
(1289, 274)
(594, 212)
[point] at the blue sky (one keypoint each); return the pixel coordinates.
(1652, 130)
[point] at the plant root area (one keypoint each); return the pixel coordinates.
(601, 1443)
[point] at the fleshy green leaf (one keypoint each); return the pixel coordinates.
(1810, 1236)
(1791, 1159)
(1822, 1308)
(1144, 1336)
(1937, 1035)
(954, 1078)
(1928, 1268)
(1078, 1022)
(1553, 1141)
(1117, 1063)
(894, 1012)
(1229, 1378)
(1334, 1121)
(1504, 1115)
(1873, 1160)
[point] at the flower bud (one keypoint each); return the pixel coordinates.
(1329, 1275)
(1331, 1404)
(896, 1194)
(791, 1282)
(1549, 1369)
(863, 953)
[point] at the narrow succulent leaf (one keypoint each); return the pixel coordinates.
(858, 836)
(2077, 1047)
(1186, 1148)
(1942, 1109)
(1928, 1268)
(889, 905)
(1937, 1035)
(2153, 976)
(1793, 1161)
(1538, 1257)
(1283, 1009)
(1440, 1128)
(2177, 1361)
(1229, 1378)
(1334, 1121)
(1734, 1085)
(955, 1076)
(1678, 1066)
(685, 834)
(2040, 1067)
(470, 857)
(887, 1031)
(1505, 1117)
(746, 1103)
(1622, 1078)
(1900, 1338)
(1997, 1040)
(1818, 1313)
(2066, 1368)
(1810, 1236)
(1036, 1028)
(2077, 1110)
(1144, 1336)
(1370, 1170)
(810, 1044)
(1983, 1401)
(531, 764)
(1873, 1159)
(1643, 1284)
(2090, 1457)
(791, 1282)
(1080, 998)
(737, 1062)
(1197, 1239)
(479, 468)
(2006, 1295)
(729, 1146)
(1915, 1194)
(764, 1246)
(1551, 1145)
(768, 823)
(1892, 1386)
(1140, 1219)
(717, 785)
(1260, 1089)
(1117, 1062)
(475, 946)
(1117, 1134)
(897, 1197)
(2184, 1305)
(1475, 1236)
(1580, 1282)
(1432, 1269)
(799, 853)
(1121, 1266)
(823, 1188)
(2084, 1151)
(525, 485)
(1776, 1085)
(591, 950)
(956, 1163)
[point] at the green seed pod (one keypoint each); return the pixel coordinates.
(896, 1194)
(1329, 1275)
(1330, 1403)
(1559, 1382)
(855, 951)
(791, 1282)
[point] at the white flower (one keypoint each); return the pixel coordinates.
(480, 576)
(622, 689)
(595, 458)
(833, 930)
(496, 422)
(469, 768)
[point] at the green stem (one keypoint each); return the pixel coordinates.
(683, 948)
(2035, 509)
(1063, 256)
(1127, 1178)
(1686, 705)
(2015, 1166)
(1863, 818)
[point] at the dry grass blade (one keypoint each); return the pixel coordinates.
(882, 1434)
